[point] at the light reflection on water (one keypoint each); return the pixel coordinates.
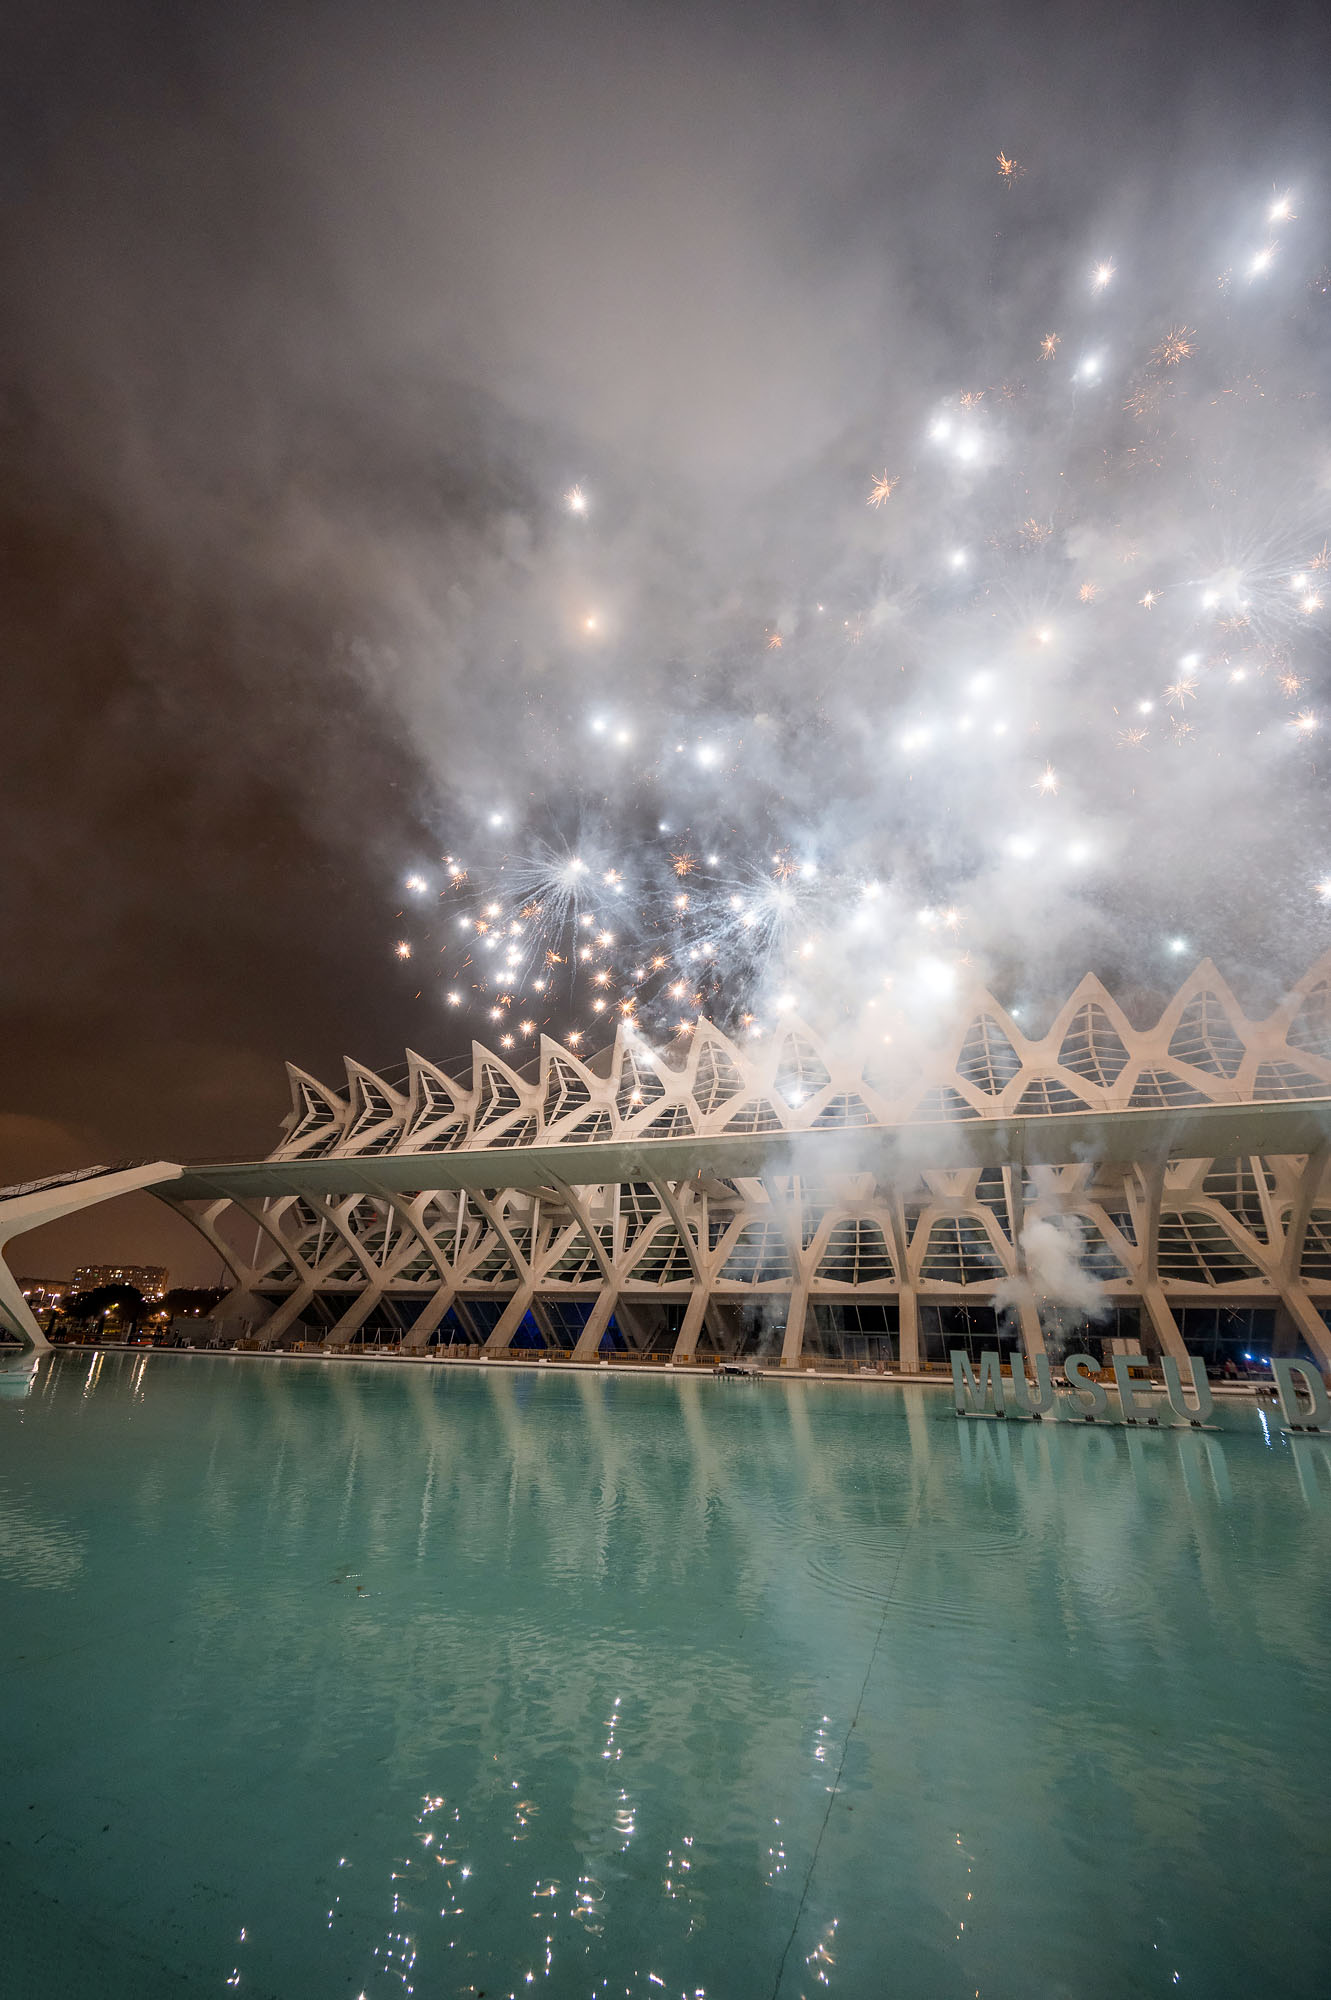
(330, 1679)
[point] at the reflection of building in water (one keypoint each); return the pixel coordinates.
(1167, 1184)
(468, 1586)
(17, 1375)
(778, 1196)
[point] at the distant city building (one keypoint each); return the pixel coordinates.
(44, 1294)
(150, 1279)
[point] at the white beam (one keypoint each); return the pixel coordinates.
(509, 1320)
(797, 1313)
(598, 1319)
(694, 1311)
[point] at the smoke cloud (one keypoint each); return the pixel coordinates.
(1056, 1285)
(320, 315)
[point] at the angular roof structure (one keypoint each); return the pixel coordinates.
(725, 1192)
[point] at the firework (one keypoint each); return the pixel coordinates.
(972, 658)
(1176, 346)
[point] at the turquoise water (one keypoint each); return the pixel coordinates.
(336, 1679)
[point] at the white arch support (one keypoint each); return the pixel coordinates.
(33, 1203)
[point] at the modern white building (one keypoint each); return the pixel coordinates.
(788, 1196)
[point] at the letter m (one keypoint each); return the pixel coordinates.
(965, 1387)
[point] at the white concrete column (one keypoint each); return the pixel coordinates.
(540, 1312)
(1296, 1229)
(1164, 1322)
(792, 1345)
(716, 1323)
(355, 1315)
(15, 1310)
(282, 1316)
(432, 1313)
(1309, 1322)
(687, 1339)
(1028, 1318)
(589, 1340)
(908, 1311)
(908, 1337)
(1032, 1333)
(509, 1320)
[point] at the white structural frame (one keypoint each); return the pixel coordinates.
(749, 1185)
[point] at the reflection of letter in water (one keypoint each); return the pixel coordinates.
(1080, 1371)
(1174, 1389)
(1314, 1470)
(964, 1384)
(985, 1453)
(1036, 1400)
(1299, 1419)
(1134, 1404)
(1194, 1452)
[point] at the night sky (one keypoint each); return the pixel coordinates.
(314, 315)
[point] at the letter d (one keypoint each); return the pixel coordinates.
(1299, 1419)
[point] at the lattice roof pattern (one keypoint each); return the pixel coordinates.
(1202, 1050)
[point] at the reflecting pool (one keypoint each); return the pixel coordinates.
(335, 1679)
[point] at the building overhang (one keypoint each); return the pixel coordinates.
(891, 1153)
